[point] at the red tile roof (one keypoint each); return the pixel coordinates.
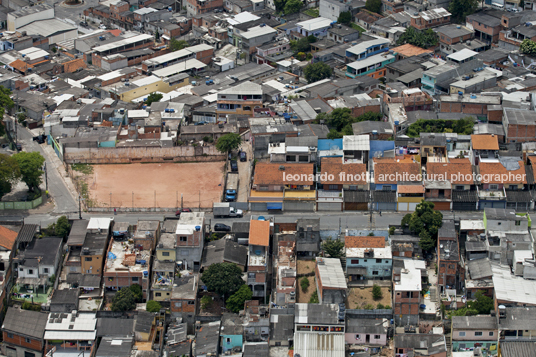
(496, 173)
(485, 142)
(364, 242)
(391, 171)
(342, 174)
(283, 174)
(7, 238)
(457, 171)
(259, 233)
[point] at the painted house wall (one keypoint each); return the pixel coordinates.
(361, 339)
(231, 341)
(382, 266)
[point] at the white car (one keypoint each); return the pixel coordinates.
(102, 27)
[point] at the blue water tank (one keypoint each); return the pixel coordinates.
(261, 218)
(145, 273)
(197, 228)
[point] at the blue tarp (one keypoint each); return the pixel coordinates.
(275, 205)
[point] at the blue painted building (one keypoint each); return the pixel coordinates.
(366, 49)
(368, 258)
(231, 332)
(380, 146)
(329, 148)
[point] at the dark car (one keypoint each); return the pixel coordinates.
(40, 138)
(178, 213)
(83, 23)
(19, 147)
(234, 166)
(243, 156)
(222, 227)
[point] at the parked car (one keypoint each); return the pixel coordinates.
(102, 27)
(19, 147)
(243, 156)
(84, 24)
(178, 213)
(234, 166)
(40, 138)
(220, 227)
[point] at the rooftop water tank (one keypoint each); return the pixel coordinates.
(197, 228)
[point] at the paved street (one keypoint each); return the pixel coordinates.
(73, 13)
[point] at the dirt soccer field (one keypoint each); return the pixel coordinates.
(156, 185)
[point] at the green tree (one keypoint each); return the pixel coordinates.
(206, 302)
(345, 17)
(30, 164)
(424, 222)
(333, 247)
(369, 116)
(460, 9)
(62, 227)
(482, 303)
(317, 71)
(156, 35)
(304, 283)
(5, 103)
(301, 45)
(528, 47)
(137, 291)
(423, 39)
(374, 6)
(314, 298)
(334, 134)
(311, 39)
(153, 306)
(124, 300)
(175, 45)
(9, 174)
(154, 97)
(293, 6)
(223, 278)
(280, 5)
(339, 118)
(235, 302)
(228, 142)
(376, 292)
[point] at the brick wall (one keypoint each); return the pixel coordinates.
(495, 116)
(19, 340)
(182, 306)
(521, 133)
(74, 65)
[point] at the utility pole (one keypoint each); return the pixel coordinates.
(79, 206)
(46, 178)
(181, 202)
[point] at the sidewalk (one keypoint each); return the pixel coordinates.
(58, 166)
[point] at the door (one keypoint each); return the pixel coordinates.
(367, 339)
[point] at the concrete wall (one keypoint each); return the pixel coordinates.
(142, 154)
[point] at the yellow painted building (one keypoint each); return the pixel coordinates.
(143, 87)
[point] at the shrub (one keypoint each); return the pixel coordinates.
(304, 283)
(153, 306)
(376, 292)
(314, 298)
(380, 306)
(206, 302)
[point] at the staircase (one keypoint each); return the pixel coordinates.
(343, 263)
(449, 346)
(433, 294)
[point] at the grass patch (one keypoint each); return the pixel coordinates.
(357, 27)
(312, 12)
(83, 168)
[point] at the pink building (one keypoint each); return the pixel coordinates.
(367, 332)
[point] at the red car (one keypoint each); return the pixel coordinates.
(178, 213)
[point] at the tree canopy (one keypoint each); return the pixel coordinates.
(462, 126)
(175, 45)
(424, 222)
(345, 17)
(228, 142)
(62, 227)
(153, 306)
(333, 247)
(5, 103)
(423, 39)
(317, 71)
(137, 291)
(235, 302)
(124, 300)
(223, 278)
(292, 6)
(30, 165)
(303, 44)
(482, 305)
(9, 174)
(340, 121)
(528, 47)
(374, 6)
(154, 97)
(460, 9)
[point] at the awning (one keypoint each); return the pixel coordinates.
(356, 271)
(166, 37)
(274, 205)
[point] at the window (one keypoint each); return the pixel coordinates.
(45, 270)
(378, 261)
(462, 345)
(374, 273)
(357, 337)
(377, 337)
(386, 188)
(461, 333)
(157, 294)
(333, 187)
(278, 343)
(223, 96)
(191, 302)
(493, 187)
(165, 254)
(478, 333)
(228, 340)
(518, 223)
(460, 187)
(491, 333)
(88, 259)
(29, 354)
(247, 107)
(9, 335)
(30, 271)
(354, 261)
(27, 340)
(135, 279)
(178, 304)
(183, 239)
